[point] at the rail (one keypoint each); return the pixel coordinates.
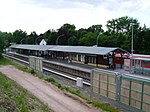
(52, 71)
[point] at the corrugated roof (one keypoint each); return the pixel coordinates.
(83, 49)
(31, 47)
(73, 49)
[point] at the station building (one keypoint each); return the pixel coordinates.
(91, 55)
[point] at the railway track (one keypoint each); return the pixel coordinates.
(63, 70)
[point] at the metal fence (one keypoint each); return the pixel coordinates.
(135, 92)
(104, 83)
(125, 89)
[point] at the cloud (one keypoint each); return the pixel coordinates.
(39, 16)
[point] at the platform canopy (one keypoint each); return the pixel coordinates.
(70, 49)
(31, 47)
(86, 49)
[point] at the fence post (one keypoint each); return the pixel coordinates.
(142, 95)
(91, 82)
(118, 87)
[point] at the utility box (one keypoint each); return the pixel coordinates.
(32, 61)
(36, 63)
(79, 82)
(39, 64)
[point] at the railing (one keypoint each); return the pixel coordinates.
(131, 90)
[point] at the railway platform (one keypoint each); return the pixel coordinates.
(83, 66)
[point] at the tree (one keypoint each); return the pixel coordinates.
(73, 41)
(67, 30)
(95, 29)
(50, 36)
(121, 28)
(143, 45)
(121, 25)
(18, 36)
(88, 39)
(32, 38)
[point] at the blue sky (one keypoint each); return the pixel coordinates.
(41, 15)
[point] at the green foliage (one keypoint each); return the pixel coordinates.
(18, 36)
(49, 79)
(88, 39)
(118, 34)
(1, 56)
(32, 71)
(103, 106)
(73, 41)
(4, 61)
(13, 98)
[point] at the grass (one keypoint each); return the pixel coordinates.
(4, 61)
(94, 102)
(14, 98)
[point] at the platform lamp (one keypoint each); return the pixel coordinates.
(37, 39)
(21, 40)
(58, 38)
(132, 24)
(98, 39)
(131, 67)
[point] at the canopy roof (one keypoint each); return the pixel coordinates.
(72, 49)
(31, 47)
(83, 49)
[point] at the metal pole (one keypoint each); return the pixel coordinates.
(132, 42)
(37, 39)
(21, 41)
(97, 39)
(58, 38)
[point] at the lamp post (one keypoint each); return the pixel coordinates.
(37, 39)
(131, 66)
(21, 40)
(58, 38)
(132, 42)
(132, 39)
(97, 39)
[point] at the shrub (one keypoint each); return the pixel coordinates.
(49, 79)
(32, 71)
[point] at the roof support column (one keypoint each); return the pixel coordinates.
(113, 59)
(121, 60)
(96, 60)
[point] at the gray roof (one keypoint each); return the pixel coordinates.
(73, 49)
(83, 49)
(31, 47)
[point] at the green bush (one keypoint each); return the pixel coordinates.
(1, 56)
(32, 71)
(49, 79)
(104, 106)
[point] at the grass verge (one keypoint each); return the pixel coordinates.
(14, 98)
(4, 61)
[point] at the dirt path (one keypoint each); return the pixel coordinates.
(56, 99)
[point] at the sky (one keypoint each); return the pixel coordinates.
(42, 15)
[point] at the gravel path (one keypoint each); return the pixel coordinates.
(56, 99)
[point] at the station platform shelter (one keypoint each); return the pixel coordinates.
(110, 57)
